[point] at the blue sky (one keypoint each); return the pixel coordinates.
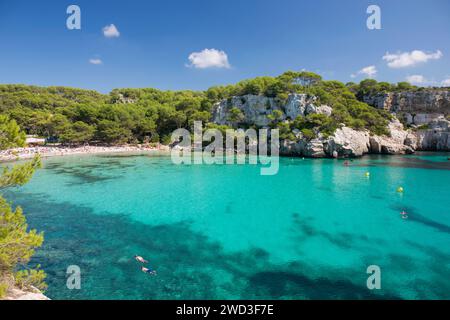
(259, 37)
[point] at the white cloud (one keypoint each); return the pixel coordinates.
(446, 82)
(95, 61)
(408, 59)
(209, 58)
(111, 31)
(369, 71)
(416, 79)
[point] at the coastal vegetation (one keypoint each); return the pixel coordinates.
(10, 133)
(75, 116)
(371, 87)
(17, 242)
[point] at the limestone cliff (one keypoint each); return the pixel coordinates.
(347, 142)
(418, 107)
(425, 110)
(256, 109)
(436, 138)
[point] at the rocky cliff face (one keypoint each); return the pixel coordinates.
(436, 138)
(417, 107)
(347, 142)
(424, 108)
(256, 109)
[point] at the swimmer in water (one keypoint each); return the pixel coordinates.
(404, 215)
(346, 163)
(140, 259)
(149, 271)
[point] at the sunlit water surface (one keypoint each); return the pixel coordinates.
(226, 232)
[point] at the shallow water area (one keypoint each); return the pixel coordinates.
(227, 232)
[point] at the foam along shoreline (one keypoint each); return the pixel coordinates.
(52, 151)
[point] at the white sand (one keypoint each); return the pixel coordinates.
(50, 151)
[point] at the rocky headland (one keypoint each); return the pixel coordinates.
(419, 121)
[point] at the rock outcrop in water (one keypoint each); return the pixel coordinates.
(348, 143)
(421, 107)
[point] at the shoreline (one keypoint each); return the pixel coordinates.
(30, 294)
(25, 153)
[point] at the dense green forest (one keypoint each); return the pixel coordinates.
(75, 116)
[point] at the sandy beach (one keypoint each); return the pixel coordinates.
(51, 151)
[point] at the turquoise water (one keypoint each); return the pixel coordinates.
(226, 232)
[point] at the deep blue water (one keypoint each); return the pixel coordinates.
(226, 232)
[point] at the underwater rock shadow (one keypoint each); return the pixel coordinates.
(414, 216)
(83, 173)
(438, 260)
(343, 240)
(185, 260)
(274, 283)
(189, 264)
(425, 271)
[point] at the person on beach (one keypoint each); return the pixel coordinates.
(140, 259)
(149, 271)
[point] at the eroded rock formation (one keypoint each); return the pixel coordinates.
(428, 108)
(427, 101)
(256, 109)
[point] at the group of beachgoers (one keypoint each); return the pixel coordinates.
(144, 269)
(58, 150)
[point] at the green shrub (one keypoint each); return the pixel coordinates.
(3, 289)
(17, 242)
(285, 131)
(236, 115)
(308, 133)
(31, 278)
(423, 127)
(10, 133)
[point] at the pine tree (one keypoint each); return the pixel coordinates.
(17, 242)
(10, 134)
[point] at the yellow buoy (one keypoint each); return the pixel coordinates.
(400, 189)
(367, 174)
